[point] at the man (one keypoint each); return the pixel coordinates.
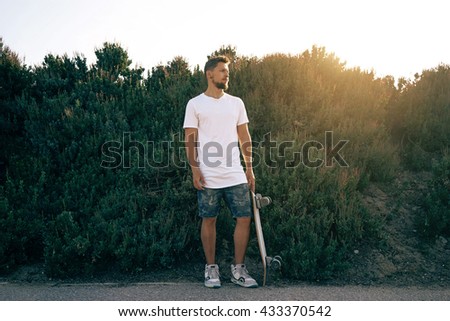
(215, 123)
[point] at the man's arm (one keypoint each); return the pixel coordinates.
(191, 135)
(245, 141)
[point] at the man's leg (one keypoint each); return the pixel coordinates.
(238, 199)
(241, 237)
(208, 236)
(240, 275)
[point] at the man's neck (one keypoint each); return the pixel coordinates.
(214, 92)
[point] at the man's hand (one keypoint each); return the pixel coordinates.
(250, 179)
(198, 179)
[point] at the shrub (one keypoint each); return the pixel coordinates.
(315, 220)
(419, 117)
(435, 220)
(21, 223)
(60, 205)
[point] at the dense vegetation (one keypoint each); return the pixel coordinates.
(93, 173)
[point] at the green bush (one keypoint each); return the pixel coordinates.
(21, 223)
(315, 220)
(93, 172)
(419, 117)
(435, 220)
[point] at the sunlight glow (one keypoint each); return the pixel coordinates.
(391, 37)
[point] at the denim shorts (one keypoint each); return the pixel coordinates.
(237, 198)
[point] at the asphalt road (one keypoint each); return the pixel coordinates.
(183, 291)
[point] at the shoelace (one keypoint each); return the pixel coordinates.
(213, 273)
(242, 271)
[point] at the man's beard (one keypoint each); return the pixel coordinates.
(221, 85)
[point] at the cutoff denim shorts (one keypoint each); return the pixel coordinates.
(237, 198)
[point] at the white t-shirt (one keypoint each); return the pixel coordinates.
(218, 152)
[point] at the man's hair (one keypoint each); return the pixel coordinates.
(214, 61)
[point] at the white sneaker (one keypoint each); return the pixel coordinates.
(241, 277)
(212, 276)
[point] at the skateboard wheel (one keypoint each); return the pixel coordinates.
(277, 257)
(262, 201)
(266, 200)
(276, 263)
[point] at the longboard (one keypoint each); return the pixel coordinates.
(267, 261)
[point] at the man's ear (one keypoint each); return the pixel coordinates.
(209, 74)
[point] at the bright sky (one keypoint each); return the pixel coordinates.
(392, 37)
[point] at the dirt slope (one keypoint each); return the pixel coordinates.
(403, 258)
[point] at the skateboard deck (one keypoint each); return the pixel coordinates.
(267, 261)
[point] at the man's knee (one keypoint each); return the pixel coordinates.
(243, 221)
(209, 221)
